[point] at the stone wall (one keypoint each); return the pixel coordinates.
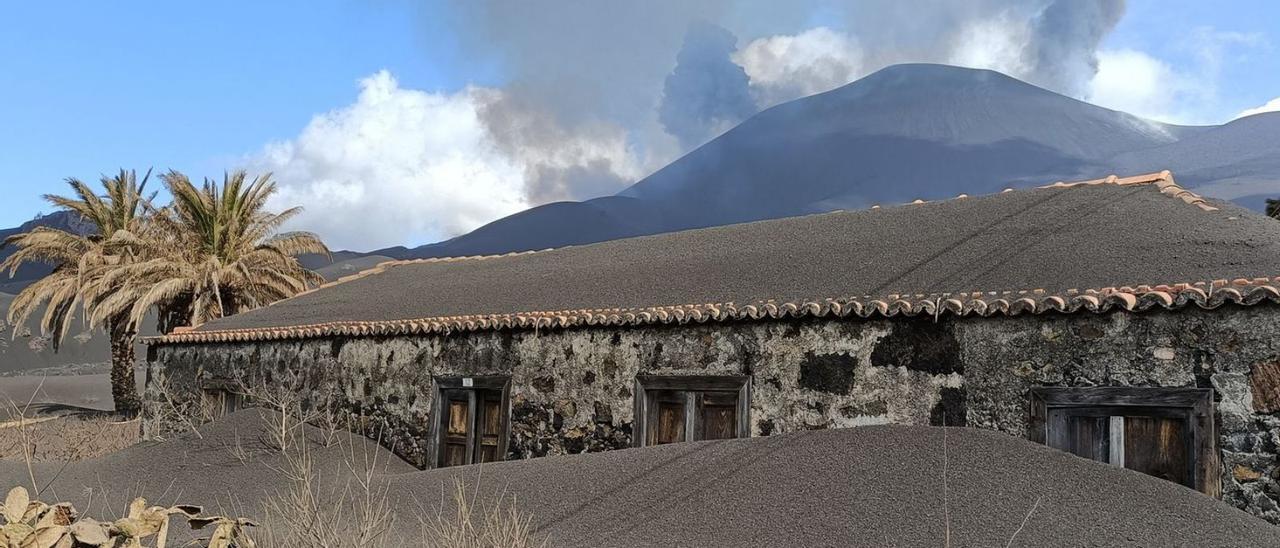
(571, 390)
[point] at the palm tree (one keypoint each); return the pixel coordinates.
(77, 257)
(213, 252)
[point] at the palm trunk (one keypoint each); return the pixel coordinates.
(123, 386)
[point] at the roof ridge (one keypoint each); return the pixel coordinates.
(1161, 179)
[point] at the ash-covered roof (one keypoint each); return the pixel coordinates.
(1134, 243)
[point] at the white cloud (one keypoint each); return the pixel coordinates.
(1270, 106)
(785, 67)
(402, 166)
(1140, 84)
(1137, 83)
(997, 44)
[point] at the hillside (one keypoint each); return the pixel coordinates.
(905, 132)
(31, 272)
(1237, 161)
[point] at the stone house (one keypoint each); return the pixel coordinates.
(1126, 320)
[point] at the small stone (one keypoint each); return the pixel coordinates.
(1264, 382)
(1089, 332)
(1024, 369)
(603, 413)
(1244, 473)
(544, 384)
(765, 427)
(1163, 353)
(566, 408)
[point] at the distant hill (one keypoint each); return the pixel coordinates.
(31, 272)
(1238, 161)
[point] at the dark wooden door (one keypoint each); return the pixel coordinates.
(1089, 437)
(1158, 446)
(1164, 432)
(1155, 441)
(690, 415)
(719, 415)
(471, 426)
(668, 417)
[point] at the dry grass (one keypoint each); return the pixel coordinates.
(312, 512)
(473, 525)
(353, 508)
(323, 505)
(283, 409)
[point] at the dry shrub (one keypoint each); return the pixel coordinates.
(331, 424)
(472, 525)
(169, 416)
(354, 511)
(290, 411)
(238, 450)
(285, 413)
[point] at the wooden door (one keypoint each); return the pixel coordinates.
(1155, 441)
(719, 415)
(667, 415)
(1089, 437)
(490, 426)
(690, 415)
(456, 427)
(1164, 432)
(1158, 446)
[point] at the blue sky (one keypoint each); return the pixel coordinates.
(92, 86)
(1169, 30)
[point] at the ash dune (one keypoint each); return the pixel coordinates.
(875, 485)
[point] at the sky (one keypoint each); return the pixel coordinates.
(399, 122)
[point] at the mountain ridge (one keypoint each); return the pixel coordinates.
(906, 132)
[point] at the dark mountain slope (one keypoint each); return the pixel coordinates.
(905, 132)
(31, 272)
(1237, 161)
(552, 225)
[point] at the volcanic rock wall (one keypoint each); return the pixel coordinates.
(573, 390)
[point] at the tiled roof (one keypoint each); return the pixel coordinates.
(1134, 243)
